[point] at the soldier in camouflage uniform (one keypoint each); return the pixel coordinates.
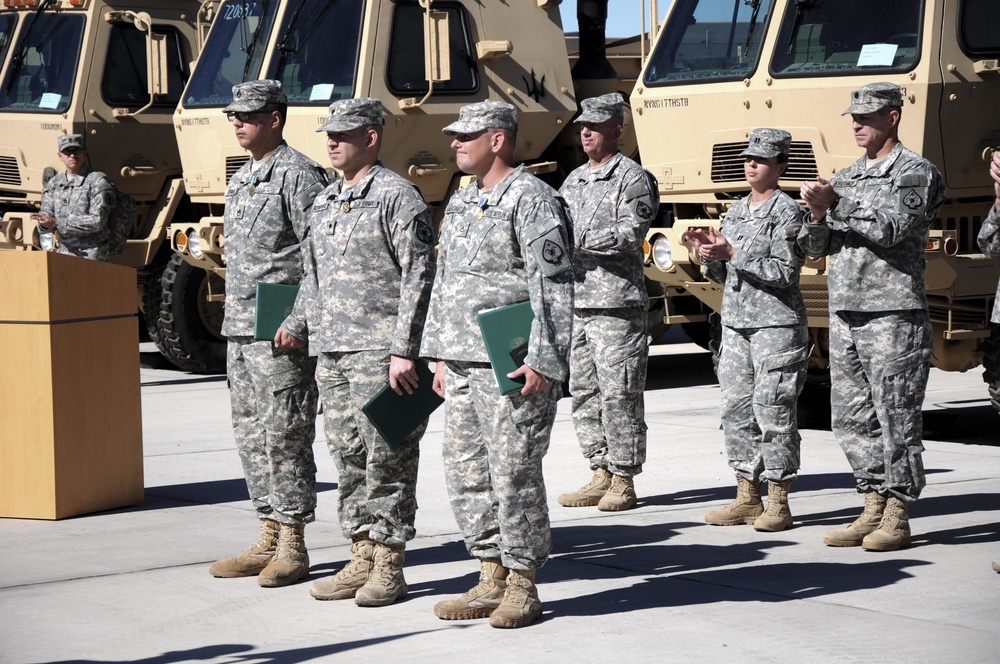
(76, 205)
(765, 341)
(504, 239)
(872, 221)
(612, 201)
(369, 269)
(272, 388)
(989, 243)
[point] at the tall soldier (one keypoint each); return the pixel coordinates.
(504, 240)
(989, 243)
(369, 270)
(272, 390)
(612, 201)
(872, 220)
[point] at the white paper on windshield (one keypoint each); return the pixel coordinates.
(877, 55)
(321, 91)
(50, 100)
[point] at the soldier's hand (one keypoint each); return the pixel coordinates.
(402, 374)
(718, 248)
(533, 381)
(44, 220)
(696, 237)
(439, 378)
(284, 339)
(819, 196)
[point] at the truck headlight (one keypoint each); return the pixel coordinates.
(194, 245)
(662, 253)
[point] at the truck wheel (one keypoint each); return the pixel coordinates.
(991, 364)
(188, 326)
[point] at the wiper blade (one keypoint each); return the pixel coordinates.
(17, 59)
(801, 7)
(753, 23)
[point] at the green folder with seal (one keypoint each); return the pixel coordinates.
(274, 303)
(395, 416)
(506, 331)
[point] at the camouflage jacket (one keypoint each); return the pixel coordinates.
(369, 266)
(762, 278)
(611, 208)
(82, 205)
(989, 243)
(499, 247)
(267, 219)
(876, 234)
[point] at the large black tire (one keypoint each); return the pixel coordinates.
(186, 326)
(991, 364)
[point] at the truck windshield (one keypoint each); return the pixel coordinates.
(233, 51)
(43, 63)
(317, 51)
(709, 40)
(848, 37)
(7, 24)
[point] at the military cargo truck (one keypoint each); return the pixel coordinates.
(720, 68)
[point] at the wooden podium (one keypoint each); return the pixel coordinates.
(71, 424)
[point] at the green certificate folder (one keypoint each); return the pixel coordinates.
(397, 415)
(505, 332)
(274, 303)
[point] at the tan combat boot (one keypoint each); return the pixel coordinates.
(777, 516)
(864, 524)
(291, 562)
(745, 509)
(996, 565)
(590, 493)
(893, 531)
(346, 583)
(620, 495)
(385, 584)
(481, 600)
(253, 560)
(520, 606)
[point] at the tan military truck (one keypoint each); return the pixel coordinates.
(423, 60)
(719, 68)
(113, 71)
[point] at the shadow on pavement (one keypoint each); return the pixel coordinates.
(205, 493)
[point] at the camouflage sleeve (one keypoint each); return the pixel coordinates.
(301, 189)
(781, 266)
(546, 249)
(989, 234)
(413, 240)
(308, 296)
(715, 270)
(638, 202)
(48, 202)
(916, 195)
(91, 214)
(814, 239)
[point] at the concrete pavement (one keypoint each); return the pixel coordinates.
(652, 584)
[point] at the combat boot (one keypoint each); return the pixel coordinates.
(893, 531)
(590, 493)
(481, 600)
(745, 509)
(777, 516)
(620, 495)
(291, 561)
(996, 565)
(346, 583)
(385, 584)
(853, 534)
(520, 606)
(251, 561)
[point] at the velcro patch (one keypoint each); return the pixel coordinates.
(549, 248)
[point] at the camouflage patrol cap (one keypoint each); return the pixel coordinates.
(602, 108)
(766, 143)
(71, 141)
(873, 97)
(483, 115)
(347, 114)
(255, 95)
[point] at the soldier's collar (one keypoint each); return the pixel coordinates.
(605, 170)
(360, 188)
(500, 188)
(263, 172)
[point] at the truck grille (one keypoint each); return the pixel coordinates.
(817, 299)
(727, 164)
(233, 164)
(9, 172)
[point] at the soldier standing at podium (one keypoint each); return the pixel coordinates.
(77, 204)
(272, 391)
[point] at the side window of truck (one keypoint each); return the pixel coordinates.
(405, 68)
(125, 77)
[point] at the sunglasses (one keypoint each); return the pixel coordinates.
(69, 151)
(242, 116)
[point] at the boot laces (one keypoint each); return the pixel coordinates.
(289, 545)
(517, 589)
(383, 569)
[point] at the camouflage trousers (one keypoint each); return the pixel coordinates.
(493, 450)
(761, 373)
(879, 364)
(377, 490)
(273, 398)
(607, 378)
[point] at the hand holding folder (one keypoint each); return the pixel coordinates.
(274, 303)
(395, 416)
(506, 331)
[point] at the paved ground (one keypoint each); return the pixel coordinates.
(653, 584)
